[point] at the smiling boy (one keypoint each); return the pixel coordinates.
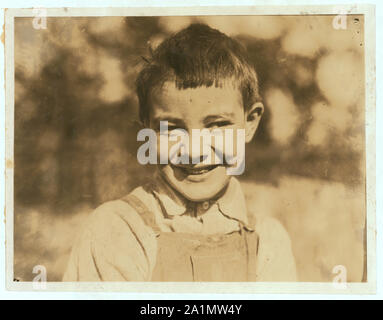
(191, 222)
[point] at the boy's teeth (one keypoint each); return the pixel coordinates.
(196, 171)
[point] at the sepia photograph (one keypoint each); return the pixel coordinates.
(189, 146)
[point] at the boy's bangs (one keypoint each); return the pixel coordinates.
(195, 57)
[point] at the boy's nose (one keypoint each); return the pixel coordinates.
(199, 151)
(196, 158)
(194, 152)
(196, 149)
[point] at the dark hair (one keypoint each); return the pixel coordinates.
(194, 57)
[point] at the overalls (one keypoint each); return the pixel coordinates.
(195, 257)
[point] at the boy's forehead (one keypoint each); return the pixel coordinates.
(168, 97)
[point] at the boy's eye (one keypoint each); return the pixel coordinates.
(170, 129)
(219, 124)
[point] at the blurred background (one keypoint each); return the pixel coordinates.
(76, 124)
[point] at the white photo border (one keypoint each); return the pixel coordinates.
(368, 287)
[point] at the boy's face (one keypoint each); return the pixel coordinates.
(200, 108)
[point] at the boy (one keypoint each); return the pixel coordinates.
(191, 222)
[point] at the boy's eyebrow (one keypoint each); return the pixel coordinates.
(213, 117)
(168, 119)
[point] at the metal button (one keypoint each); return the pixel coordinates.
(205, 205)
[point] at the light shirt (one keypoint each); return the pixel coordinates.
(116, 245)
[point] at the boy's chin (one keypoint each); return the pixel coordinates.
(200, 195)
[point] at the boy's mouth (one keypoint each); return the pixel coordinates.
(189, 170)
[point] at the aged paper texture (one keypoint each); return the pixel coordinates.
(82, 84)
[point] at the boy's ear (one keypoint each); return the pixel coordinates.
(253, 116)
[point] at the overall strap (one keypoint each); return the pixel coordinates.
(140, 207)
